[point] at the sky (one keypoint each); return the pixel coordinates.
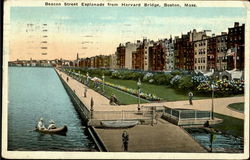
(91, 31)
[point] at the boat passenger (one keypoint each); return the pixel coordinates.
(51, 125)
(40, 124)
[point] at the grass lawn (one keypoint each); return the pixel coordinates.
(122, 97)
(162, 91)
(230, 125)
(237, 106)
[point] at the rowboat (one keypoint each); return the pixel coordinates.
(61, 130)
(119, 124)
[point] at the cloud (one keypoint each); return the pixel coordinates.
(108, 18)
(62, 17)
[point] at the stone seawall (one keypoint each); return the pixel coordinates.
(79, 105)
(84, 113)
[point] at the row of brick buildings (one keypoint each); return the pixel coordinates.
(192, 51)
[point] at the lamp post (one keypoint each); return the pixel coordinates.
(103, 82)
(212, 109)
(139, 88)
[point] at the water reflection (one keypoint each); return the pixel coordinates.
(217, 142)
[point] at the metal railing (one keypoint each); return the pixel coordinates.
(187, 114)
(121, 115)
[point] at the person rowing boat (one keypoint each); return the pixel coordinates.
(51, 125)
(40, 125)
(52, 129)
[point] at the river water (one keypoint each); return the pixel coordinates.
(38, 92)
(221, 143)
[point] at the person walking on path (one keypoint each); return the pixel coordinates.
(190, 97)
(125, 139)
(67, 79)
(85, 92)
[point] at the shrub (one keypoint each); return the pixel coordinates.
(175, 72)
(175, 81)
(161, 78)
(147, 77)
(185, 83)
(222, 88)
(197, 79)
(168, 78)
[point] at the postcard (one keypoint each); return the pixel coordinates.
(125, 79)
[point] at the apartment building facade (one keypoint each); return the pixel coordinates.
(236, 42)
(221, 58)
(120, 55)
(200, 55)
(157, 56)
(169, 49)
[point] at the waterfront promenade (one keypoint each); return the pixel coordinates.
(161, 137)
(102, 103)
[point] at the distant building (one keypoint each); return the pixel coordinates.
(200, 55)
(157, 56)
(129, 49)
(120, 55)
(140, 57)
(169, 50)
(221, 58)
(211, 53)
(235, 43)
(113, 61)
(184, 53)
(102, 61)
(184, 49)
(92, 62)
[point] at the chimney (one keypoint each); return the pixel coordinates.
(236, 24)
(223, 33)
(127, 43)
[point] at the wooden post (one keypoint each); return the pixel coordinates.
(179, 115)
(195, 114)
(153, 115)
(92, 107)
(171, 112)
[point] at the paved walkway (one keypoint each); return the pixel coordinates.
(220, 105)
(102, 103)
(162, 137)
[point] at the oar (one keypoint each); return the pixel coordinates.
(31, 130)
